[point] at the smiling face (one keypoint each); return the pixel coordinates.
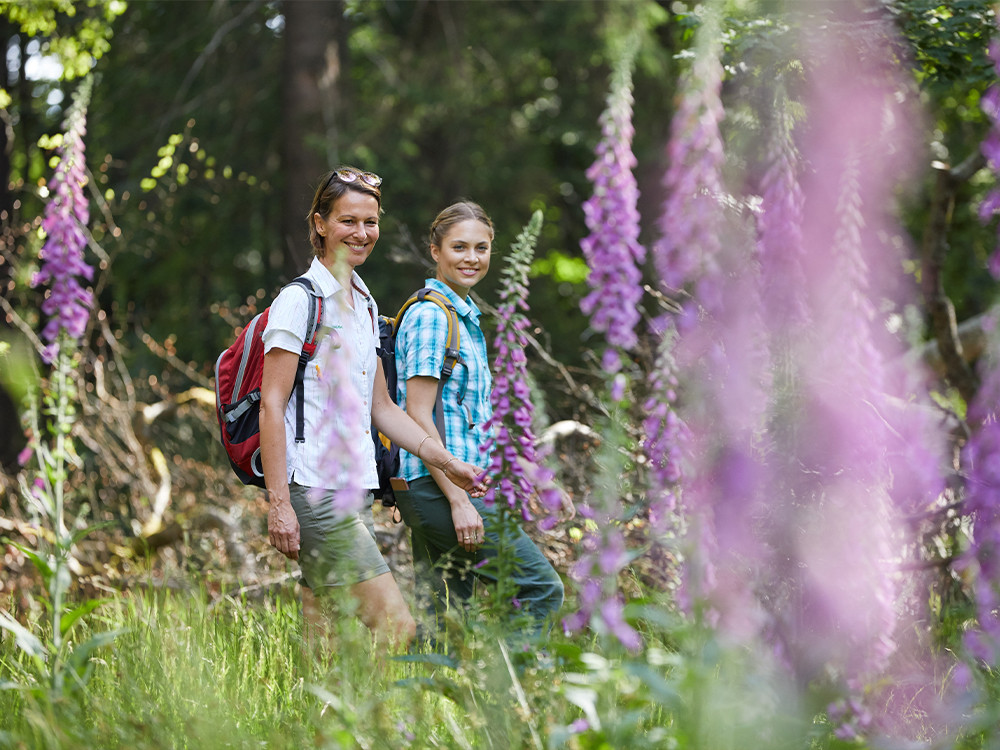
(350, 230)
(463, 257)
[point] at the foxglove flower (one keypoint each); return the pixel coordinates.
(343, 407)
(837, 450)
(513, 456)
(689, 221)
(67, 303)
(612, 248)
(792, 449)
(665, 438)
(779, 227)
(982, 456)
(712, 346)
(599, 602)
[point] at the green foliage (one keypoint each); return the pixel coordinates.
(947, 43)
(187, 672)
(561, 267)
(58, 663)
(495, 102)
(78, 34)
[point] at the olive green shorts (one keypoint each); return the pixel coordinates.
(334, 549)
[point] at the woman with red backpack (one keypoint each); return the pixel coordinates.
(336, 549)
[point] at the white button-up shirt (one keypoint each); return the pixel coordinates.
(357, 333)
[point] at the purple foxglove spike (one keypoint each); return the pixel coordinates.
(612, 248)
(62, 254)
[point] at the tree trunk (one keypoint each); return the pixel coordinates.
(311, 70)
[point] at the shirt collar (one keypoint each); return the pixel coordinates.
(466, 308)
(328, 283)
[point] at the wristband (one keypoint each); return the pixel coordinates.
(445, 467)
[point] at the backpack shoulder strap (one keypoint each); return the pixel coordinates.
(452, 352)
(371, 306)
(308, 351)
(315, 319)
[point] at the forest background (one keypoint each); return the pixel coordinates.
(207, 127)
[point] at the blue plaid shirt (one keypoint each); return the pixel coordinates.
(420, 344)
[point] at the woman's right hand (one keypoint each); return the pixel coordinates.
(283, 526)
(276, 385)
(468, 525)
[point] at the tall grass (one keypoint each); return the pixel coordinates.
(189, 672)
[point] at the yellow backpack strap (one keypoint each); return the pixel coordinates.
(452, 353)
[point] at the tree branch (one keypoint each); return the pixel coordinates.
(933, 251)
(971, 338)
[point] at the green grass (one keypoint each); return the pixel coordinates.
(190, 673)
(186, 674)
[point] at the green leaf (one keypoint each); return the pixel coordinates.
(23, 637)
(659, 686)
(69, 619)
(435, 684)
(81, 533)
(421, 682)
(654, 615)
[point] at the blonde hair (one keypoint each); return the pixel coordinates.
(455, 213)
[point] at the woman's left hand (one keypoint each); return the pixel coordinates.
(468, 524)
(466, 476)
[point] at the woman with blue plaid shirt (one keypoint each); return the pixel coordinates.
(452, 533)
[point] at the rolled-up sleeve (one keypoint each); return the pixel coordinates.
(420, 342)
(287, 320)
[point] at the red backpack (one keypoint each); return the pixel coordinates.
(238, 373)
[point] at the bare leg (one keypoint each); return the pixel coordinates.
(314, 630)
(383, 610)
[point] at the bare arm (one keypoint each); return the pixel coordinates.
(277, 381)
(421, 394)
(406, 433)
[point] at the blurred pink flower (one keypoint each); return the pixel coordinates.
(343, 407)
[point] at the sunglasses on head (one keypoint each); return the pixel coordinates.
(350, 175)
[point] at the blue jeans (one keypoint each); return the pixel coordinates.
(450, 572)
